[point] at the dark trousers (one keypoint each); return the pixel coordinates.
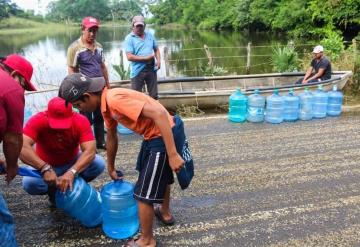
(96, 119)
(302, 78)
(149, 77)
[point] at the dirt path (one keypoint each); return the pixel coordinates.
(293, 184)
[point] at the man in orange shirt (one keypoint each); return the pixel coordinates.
(147, 117)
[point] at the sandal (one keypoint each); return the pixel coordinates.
(159, 216)
(132, 243)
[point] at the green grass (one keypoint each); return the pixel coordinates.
(16, 25)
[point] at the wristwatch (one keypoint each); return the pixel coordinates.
(74, 171)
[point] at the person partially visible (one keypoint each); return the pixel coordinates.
(15, 76)
(86, 56)
(320, 68)
(57, 134)
(158, 156)
(143, 52)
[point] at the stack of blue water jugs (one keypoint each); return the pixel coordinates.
(290, 107)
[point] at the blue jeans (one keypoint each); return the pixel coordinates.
(7, 233)
(37, 186)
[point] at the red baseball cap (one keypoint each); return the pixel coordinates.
(59, 114)
(89, 22)
(21, 66)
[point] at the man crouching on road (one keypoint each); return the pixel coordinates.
(58, 133)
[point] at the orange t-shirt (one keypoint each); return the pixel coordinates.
(120, 105)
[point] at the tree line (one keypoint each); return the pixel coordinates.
(299, 18)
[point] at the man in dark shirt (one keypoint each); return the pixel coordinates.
(320, 68)
(15, 75)
(86, 56)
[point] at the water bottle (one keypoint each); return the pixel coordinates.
(123, 130)
(256, 105)
(274, 108)
(237, 107)
(335, 100)
(291, 106)
(82, 203)
(27, 115)
(306, 105)
(120, 211)
(320, 100)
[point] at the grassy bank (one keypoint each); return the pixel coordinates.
(15, 25)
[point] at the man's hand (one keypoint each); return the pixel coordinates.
(115, 175)
(158, 64)
(176, 162)
(65, 181)
(50, 177)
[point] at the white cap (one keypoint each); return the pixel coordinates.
(318, 49)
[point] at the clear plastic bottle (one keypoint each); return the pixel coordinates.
(291, 106)
(237, 106)
(335, 100)
(320, 103)
(82, 203)
(120, 211)
(306, 105)
(255, 109)
(274, 108)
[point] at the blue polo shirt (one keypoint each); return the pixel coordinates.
(139, 47)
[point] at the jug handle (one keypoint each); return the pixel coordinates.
(120, 174)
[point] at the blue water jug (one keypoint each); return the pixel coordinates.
(237, 107)
(255, 109)
(274, 108)
(320, 100)
(291, 106)
(306, 105)
(27, 114)
(120, 211)
(123, 130)
(335, 100)
(82, 203)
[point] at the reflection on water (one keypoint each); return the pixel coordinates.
(47, 51)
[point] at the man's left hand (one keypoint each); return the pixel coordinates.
(65, 181)
(158, 64)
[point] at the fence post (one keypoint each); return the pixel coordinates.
(121, 58)
(166, 60)
(355, 50)
(209, 56)
(248, 58)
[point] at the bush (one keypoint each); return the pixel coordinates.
(285, 59)
(333, 45)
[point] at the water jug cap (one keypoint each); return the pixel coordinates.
(306, 89)
(320, 87)
(120, 175)
(335, 87)
(276, 91)
(257, 91)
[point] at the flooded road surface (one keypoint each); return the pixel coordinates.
(292, 184)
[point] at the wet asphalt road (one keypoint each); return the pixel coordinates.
(292, 184)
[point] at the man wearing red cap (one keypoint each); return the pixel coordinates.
(86, 56)
(58, 133)
(15, 76)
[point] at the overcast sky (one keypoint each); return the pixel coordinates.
(39, 6)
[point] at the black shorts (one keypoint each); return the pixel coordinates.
(155, 175)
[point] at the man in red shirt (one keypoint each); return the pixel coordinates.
(58, 133)
(15, 76)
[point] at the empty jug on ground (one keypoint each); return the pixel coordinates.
(320, 100)
(255, 109)
(82, 203)
(291, 106)
(335, 100)
(274, 108)
(306, 105)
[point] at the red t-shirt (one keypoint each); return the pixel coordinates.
(12, 104)
(54, 146)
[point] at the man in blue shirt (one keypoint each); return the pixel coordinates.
(143, 52)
